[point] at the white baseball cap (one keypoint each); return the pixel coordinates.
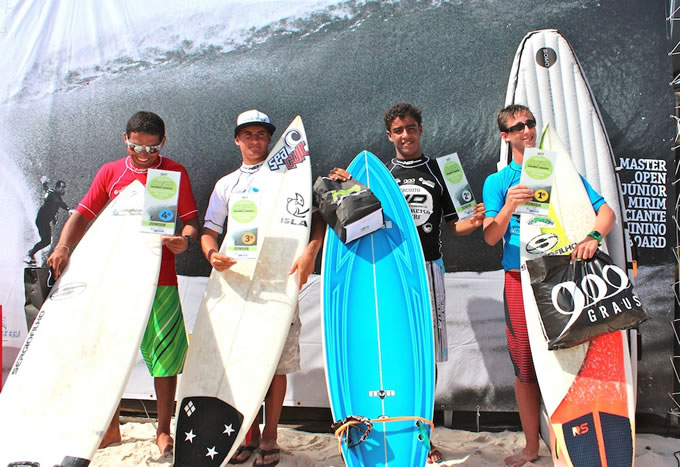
(253, 117)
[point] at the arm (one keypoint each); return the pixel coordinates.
(604, 222)
(178, 243)
(470, 224)
(73, 231)
(186, 209)
(495, 227)
(211, 251)
(304, 264)
(62, 204)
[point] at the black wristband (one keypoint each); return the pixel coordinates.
(189, 239)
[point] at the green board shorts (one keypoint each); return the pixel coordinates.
(164, 344)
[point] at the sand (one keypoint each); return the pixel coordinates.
(321, 450)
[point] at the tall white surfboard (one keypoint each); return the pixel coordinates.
(246, 314)
(71, 371)
(547, 77)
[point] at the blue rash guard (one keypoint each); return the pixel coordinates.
(494, 193)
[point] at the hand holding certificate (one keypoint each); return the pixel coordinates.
(537, 174)
(160, 202)
(457, 185)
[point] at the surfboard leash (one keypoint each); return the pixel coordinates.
(343, 428)
(352, 422)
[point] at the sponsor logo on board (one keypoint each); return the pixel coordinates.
(27, 342)
(292, 221)
(546, 57)
(579, 430)
(541, 221)
(66, 291)
(291, 154)
(296, 207)
(542, 243)
(567, 249)
(127, 212)
(382, 393)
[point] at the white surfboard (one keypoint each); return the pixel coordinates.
(71, 371)
(587, 389)
(557, 369)
(245, 316)
(547, 77)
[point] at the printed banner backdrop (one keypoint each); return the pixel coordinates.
(71, 74)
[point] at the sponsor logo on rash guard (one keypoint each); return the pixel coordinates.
(419, 201)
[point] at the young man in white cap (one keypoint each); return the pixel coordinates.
(253, 134)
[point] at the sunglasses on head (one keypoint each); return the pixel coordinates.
(519, 126)
(138, 148)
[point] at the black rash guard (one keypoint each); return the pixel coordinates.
(422, 184)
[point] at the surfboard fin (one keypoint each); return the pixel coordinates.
(423, 437)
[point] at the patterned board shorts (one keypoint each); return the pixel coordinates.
(164, 344)
(290, 357)
(516, 329)
(435, 279)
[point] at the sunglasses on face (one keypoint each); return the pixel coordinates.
(519, 126)
(138, 148)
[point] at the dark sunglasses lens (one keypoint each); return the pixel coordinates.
(520, 126)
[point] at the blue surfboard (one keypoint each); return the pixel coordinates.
(377, 330)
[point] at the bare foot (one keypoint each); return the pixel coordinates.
(111, 437)
(164, 443)
(520, 459)
(434, 456)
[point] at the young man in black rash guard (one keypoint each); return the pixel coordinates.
(422, 184)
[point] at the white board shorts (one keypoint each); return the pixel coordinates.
(290, 357)
(435, 280)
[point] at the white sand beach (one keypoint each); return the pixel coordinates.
(303, 449)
